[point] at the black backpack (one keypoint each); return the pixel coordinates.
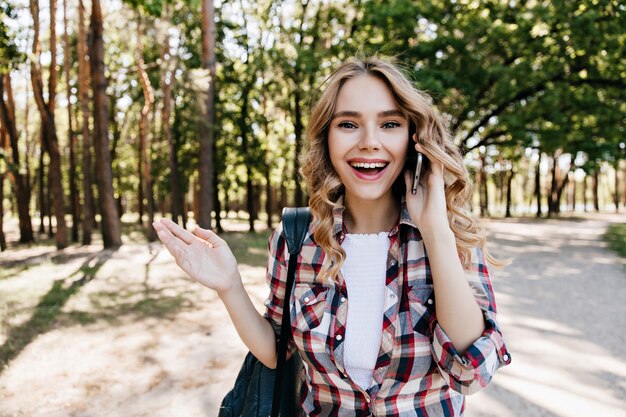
(260, 391)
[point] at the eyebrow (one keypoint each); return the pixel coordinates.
(386, 113)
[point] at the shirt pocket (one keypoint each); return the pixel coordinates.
(422, 307)
(310, 303)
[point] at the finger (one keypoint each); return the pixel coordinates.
(178, 231)
(208, 235)
(173, 244)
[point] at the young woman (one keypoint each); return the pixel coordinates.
(392, 309)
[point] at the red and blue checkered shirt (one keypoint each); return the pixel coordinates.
(418, 371)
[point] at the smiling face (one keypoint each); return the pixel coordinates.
(367, 139)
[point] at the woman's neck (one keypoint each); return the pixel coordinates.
(371, 216)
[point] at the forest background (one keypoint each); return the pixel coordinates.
(129, 109)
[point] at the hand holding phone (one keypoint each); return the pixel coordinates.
(418, 171)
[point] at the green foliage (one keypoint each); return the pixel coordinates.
(9, 54)
(509, 75)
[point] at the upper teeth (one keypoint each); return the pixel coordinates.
(368, 165)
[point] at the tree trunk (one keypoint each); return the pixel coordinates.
(4, 141)
(594, 184)
(167, 78)
(49, 203)
(283, 196)
(140, 197)
(41, 193)
(206, 166)
(484, 193)
(500, 181)
(3, 240)
(616, 195)
(574, 184)
(22, 185)
(83, 97)
(538, 185)
(74, 198)
(144, 143)
(560, 187)
(216, 199)
(552, 192)
(269, 200)
(298, 128)
(244, 130)
(48, 126)
(111, 228)
(509, 183)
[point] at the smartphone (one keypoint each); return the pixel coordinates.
(416, 162)
(418, 172)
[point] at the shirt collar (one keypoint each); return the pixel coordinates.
(339, 227)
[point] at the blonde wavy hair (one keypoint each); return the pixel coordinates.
(325, 187)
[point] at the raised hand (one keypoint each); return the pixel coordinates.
(203, 255)
(427, 207)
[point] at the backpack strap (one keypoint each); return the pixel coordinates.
(295, 225)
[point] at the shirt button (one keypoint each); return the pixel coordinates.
(388, 335)
(505, 357)
(343, 299)
(367, 399)
(339, 337)
(392, 263)
(430, 301)
(306, 299)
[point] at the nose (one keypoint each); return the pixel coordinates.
(369, 139)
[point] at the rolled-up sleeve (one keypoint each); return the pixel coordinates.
(472, 371)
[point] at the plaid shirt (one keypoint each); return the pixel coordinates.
(418, 371)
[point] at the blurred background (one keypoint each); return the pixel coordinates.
(116, 113)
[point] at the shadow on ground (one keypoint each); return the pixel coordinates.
(48, 308)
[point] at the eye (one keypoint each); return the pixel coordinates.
(347, 125)
(391, 125)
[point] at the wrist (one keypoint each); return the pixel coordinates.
(235, 288)
(437, 232)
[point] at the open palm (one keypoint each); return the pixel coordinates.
(203, 255)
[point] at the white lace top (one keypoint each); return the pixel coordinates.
(364, 272)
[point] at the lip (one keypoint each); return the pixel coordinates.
(369, 161)
(368, 177)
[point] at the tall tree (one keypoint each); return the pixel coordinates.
(74, 197)
(3, 173)
(19, 177)
(207, 128)
(145, 177)
(46, 111)
(111, 227)
(168, 71)
(83, 98)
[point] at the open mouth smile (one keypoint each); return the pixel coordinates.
(369, 171)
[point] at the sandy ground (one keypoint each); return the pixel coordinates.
(140, 339)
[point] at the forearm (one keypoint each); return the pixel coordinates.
(255, 331)
(457, 311)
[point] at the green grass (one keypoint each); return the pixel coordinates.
(248, 248)
(615, 236)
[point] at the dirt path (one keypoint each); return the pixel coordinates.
(561, 304)
(135, 338)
